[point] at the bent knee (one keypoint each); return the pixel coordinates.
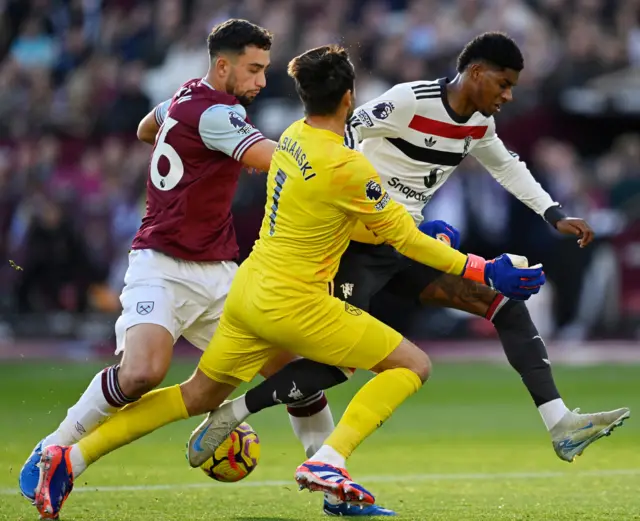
(407, 356)
(141, 378)
(146, 359)
(421, 366)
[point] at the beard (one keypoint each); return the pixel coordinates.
(230, 88)
(245, 101)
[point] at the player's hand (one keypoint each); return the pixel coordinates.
(514, 283)
(575, 226)
(501, 275)
(442, 231)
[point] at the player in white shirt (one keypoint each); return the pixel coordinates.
(415, 135)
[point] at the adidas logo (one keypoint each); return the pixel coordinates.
(429, 142)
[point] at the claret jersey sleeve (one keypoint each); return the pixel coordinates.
(224, 128)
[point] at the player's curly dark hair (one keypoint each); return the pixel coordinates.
(235, 34)
(495, 48)
(322, 76)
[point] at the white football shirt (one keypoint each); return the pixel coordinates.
(415, 141)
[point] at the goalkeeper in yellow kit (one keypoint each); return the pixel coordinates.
(281, 297)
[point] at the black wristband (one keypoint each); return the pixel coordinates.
(554, 214)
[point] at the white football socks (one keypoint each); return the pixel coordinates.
(329, 455)
(552, 412)
(78, 464)
(313, 430)
(90, 410)
(239, 408)
(310, 430)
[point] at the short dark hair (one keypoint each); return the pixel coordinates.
(235, 34)
(495, 48)
(322, 76)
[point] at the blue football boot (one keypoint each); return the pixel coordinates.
(349, 510)
(30, 474)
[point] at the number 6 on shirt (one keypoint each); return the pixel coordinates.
(162, 148)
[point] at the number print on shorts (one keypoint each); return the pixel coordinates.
(281, 177)
(162, 148)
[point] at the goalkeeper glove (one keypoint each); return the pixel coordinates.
(442, 231)
(501, 275)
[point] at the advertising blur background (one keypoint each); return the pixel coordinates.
(76, 77)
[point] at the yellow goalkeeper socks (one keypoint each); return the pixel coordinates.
(149, 413)
(371, 406)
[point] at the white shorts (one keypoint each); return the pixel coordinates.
(184, 297)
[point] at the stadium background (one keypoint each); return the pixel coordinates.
(76, 76)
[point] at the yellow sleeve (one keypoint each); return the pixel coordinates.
(361, 233)
(362, 196)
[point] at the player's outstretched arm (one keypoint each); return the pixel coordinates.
(516, 178)
(513, 174)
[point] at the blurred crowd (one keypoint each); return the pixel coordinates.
(76, 77)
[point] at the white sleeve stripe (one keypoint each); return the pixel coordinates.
(427, 88)
(240, 144)
(242, 148)
(254, 139)
(157, 113)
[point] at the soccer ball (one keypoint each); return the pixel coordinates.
(236, 458)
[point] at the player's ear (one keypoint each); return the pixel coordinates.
(476, 71)
(221, 65)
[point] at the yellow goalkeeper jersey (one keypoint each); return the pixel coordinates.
(317, 191)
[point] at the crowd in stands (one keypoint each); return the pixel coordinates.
(76, 77)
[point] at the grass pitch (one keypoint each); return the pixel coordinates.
(469, 446)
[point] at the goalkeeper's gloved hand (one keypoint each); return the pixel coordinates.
(501, 275)
(442, 231)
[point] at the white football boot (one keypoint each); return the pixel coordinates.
(211, 433)
(575, 432)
